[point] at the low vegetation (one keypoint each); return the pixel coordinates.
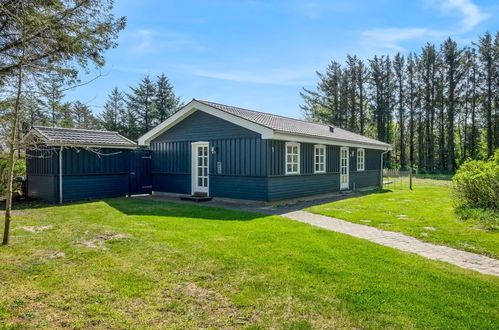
(19, 170)
(123, 263)
(427, 213)
(476, 191)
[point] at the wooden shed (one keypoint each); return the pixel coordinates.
(65, 164)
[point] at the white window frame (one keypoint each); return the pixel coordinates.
(361, 161)
(292, 144)
(318, 147)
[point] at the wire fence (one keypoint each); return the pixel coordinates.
(396, 178)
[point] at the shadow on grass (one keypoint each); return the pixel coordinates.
(132, 206)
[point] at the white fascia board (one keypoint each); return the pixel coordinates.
(317, 140)
(193, 106)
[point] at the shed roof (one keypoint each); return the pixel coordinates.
(294, 126)
(56, 136)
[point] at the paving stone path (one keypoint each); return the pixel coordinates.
(400, 241)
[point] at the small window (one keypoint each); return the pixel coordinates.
(319, 159)
(292, 158)
(360, 159)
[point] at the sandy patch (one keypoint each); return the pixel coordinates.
(98, 241)
(35, 229)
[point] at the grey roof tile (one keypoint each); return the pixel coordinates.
(295, 126)
(82, 137)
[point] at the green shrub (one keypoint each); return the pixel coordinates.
(476, 186)
(19, 170)
(476, 183)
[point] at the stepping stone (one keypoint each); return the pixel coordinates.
(430, 228)
(424, 233)
(365, 220)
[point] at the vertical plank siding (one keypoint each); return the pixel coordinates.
(86, 174)
(245, 166)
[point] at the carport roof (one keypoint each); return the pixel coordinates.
(56, 136)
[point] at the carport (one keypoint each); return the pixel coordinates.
(65, 164)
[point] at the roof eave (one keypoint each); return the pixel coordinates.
(308, 138)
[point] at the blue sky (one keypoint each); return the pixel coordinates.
(259, 54)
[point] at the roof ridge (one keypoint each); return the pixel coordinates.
(266, 113)
(77, 129)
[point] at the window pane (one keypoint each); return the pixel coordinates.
(206, 182)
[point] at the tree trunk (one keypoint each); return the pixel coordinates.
(10, 160)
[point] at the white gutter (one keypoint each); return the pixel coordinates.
(60, 175)
(381, 169)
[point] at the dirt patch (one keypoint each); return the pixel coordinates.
(35, 229)
(200, 303)
(56, 255)
(98, 241)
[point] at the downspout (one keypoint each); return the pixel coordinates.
(60, 175)
(381, 168)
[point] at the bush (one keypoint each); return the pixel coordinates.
(476, 186)
(19, 170)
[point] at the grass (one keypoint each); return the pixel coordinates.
(426, 213)
(187, 266)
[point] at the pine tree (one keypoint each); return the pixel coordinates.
(51, 100)
(453, 73)
(487, 66)
(165, 100)
(66, 116)
(83, 116)
(399, 70)
(141, 103)
(114, 112)
(412, 95)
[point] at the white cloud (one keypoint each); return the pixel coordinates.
(144, 37)
(390, 38)
(149, 41)
(471, 13)
(297, 77)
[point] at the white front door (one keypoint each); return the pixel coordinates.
(344, 167)
(200, 167)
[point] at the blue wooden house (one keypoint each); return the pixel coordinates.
(217, 150)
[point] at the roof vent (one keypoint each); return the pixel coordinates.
(331, 128)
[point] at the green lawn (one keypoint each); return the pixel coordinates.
(397, 208)
(188, 266)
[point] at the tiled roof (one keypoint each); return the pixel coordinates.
(82, 137)
(295, 126)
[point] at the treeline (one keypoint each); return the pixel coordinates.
(131, 113)
(437, 107)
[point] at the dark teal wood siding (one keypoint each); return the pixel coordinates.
(242, 165)
(42, 168)
(252, 188)
(172, 183)
(43, 187)
(291, 186)
(203, 126)
(85, 174)
(79, 187)
(238, 158)
(364, 179)
(333, 159)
